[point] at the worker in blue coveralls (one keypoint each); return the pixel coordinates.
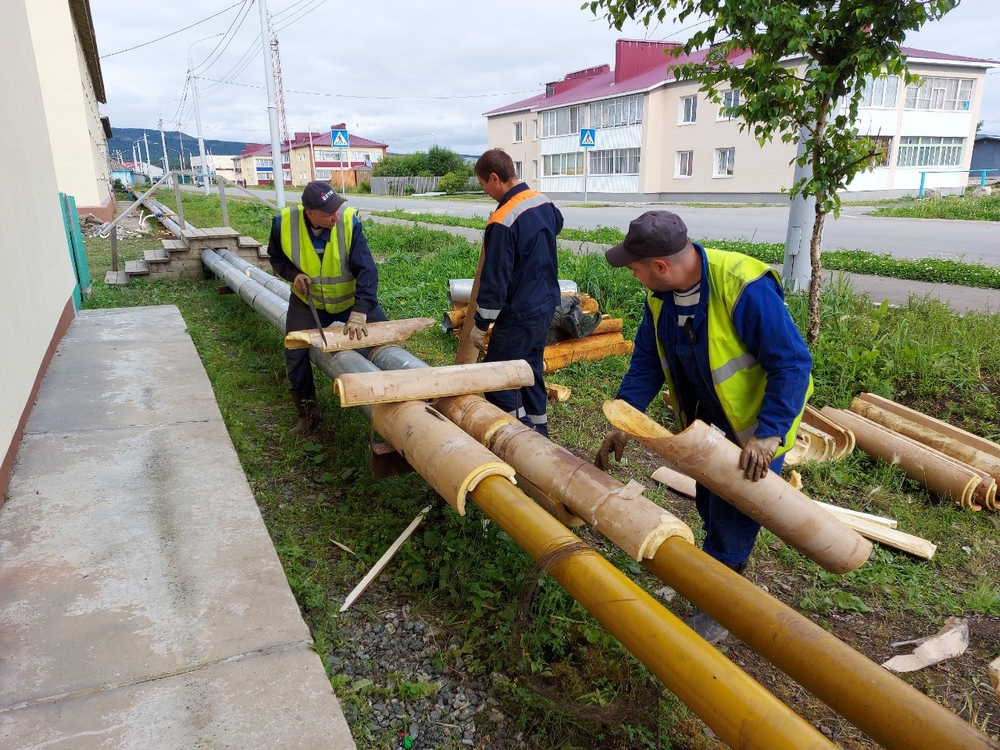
(321, 249)
(518, 284)
(716, 332)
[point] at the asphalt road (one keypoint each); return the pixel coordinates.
(969, 241)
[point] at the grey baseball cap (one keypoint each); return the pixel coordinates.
(654, 234)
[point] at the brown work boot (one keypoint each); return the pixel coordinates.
(308, 411)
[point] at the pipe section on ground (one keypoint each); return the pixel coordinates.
(703, 452)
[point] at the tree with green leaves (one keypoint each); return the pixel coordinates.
(800, 66)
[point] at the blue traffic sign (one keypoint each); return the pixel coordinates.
(588, 137)
(339, 139)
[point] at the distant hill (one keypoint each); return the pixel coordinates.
(123, 138)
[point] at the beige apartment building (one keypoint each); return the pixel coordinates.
(310, 156)
(69, 72)
(657, 138)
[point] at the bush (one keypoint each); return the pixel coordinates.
(454, 182)
(364, 186)
(409, 190)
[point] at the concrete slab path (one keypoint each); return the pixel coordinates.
(142, 603)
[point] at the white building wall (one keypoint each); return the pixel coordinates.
(73, 123)
(32, 239)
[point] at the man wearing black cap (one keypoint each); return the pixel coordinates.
(717, 333)
(321, 249)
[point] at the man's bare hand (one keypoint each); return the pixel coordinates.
(616, 441)
(302, 284)
(757, 456)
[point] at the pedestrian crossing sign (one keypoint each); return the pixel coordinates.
(588, 137)
(339, 138)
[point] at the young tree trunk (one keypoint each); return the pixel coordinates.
(816, 279)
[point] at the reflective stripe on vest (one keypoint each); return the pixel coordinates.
(509, 212)
(333, 285)
(738, 380)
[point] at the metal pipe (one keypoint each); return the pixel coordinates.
(888, 710)
(459, 290)
(879, 703)
(273, 284)
(736, 707)
(814, 658)
(743, 714)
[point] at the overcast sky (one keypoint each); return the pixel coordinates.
(409, 73)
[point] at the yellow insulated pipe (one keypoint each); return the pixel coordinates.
(741, 712)
(888, 710)
(819, 661)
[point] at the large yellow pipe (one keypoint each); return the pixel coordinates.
(741, 712)
(816, 659)
(887, 709)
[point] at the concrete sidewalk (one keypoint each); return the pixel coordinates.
(142, 604)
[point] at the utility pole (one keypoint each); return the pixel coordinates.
(312, 156)
(197, 120)
(797, 269)
(163, 143)
(149, 171)
(272, 110)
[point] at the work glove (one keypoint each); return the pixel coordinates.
(616, 442)
(302, 284)
(757, 456)
(356, 326)
(478, 338)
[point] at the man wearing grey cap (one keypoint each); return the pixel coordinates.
(716, 332)
(321, 249)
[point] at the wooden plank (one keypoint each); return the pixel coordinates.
(889, 523)
(357, 388)
(894, 538)
(589, 348)
(682, 483)
(388, 332)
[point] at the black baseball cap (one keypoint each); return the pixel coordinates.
(654, 234)
(319, 196)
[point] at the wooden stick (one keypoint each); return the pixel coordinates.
(358, 388)
(384, 560)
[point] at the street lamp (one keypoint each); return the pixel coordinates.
(197, 115)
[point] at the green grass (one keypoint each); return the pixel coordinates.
(938, 271)
(957, 207)
(469, 574)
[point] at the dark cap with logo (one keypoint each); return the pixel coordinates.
(654, 234)
(319, 196)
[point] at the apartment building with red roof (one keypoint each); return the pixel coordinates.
(658, 138)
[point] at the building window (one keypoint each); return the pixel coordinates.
(264, 163)
(948, 94)
(534, 129)
(880, 92)
(264, 176)
(517, 132)
(615, 161)
(302, 175)
(534, 169)
(929, 151)
(302, 156)
(616, 113)
(883, 145)
(329, 155)
(562, 164)
(685, 164)
(323, 174)
(517, 169)
(725, 160)
(689, 109)
(730, 101)
(565, 121)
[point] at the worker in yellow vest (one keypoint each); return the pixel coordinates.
(320, 248)
(717, 334)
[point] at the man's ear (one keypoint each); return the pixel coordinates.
(659, 265)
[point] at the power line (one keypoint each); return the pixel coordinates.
(226, 38)
(173, 33)
(383, 98)
(302, 14)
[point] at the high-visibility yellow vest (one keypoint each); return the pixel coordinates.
(738, 379)
(333, 285)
